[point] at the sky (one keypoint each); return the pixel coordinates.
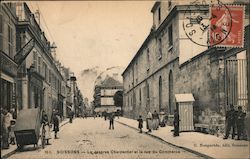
(94, 35)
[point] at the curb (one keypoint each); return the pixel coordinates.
(15, 150)
(166, 142)
(9, 154)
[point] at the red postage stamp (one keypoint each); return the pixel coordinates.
(227, 26)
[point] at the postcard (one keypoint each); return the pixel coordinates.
(125, 79)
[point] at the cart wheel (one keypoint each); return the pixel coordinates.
(19, 147)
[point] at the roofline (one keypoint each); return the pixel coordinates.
(157, 3)
(170, 16)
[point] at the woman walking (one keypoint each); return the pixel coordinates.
(149, 121)
(140, 123)
(55, 124)
(45, 122)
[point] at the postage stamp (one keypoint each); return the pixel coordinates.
(227, 26)
(219, 25)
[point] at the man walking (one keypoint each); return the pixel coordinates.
(230, 121)
(71, 115)
(240, 122)
(111, 121)
(176, 123)
(56, 124)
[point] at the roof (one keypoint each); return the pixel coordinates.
(110, 82)
(155, 6)
(187, 97)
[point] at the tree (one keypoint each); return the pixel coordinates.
(118, 98)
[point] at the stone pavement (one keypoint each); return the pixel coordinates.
(12, 149)
(206, 145)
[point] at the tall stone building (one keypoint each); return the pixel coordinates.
(40, 82)
(169, 63)
(8, 67)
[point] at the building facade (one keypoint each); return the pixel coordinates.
(8, 67)
(169, 63)
(104, 95)
(41, 77)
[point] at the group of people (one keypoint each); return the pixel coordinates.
(46, 125)
(8, 120)
(153, 122)
(235, 121)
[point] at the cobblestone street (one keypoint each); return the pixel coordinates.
(91, 138)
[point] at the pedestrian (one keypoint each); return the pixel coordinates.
(7, 120)
(230, 121)
(71, 115)
(55, 124)
(111, 120)
(2, 127)
(46, 126)
(155, 117)
(7, 117)
(140, 123)
(105, 115)
(12, 134)
(240, 122)
(176, 123)
(149, 121)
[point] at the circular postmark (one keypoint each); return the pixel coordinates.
(207, 27)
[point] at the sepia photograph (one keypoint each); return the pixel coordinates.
(125, 79)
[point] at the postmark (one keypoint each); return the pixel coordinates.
(216, 25)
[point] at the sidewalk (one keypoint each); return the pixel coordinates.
(206, 145)
(12, 149)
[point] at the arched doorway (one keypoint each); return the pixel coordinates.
(170, 92)
(160, 94)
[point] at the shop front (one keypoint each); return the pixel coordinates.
(8, 73)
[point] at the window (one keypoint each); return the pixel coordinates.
(49, 76)
(148, 97)
(43, 70)
(1, 32)
(1, 23)
(136, 72)
(35, 60)
(127, 101)
(160, 48)
(159, 14)
(160, 93)
(170, 36)
(148, 59)
(140, 96)
(39, 64)
(10, 41)
(46, 72)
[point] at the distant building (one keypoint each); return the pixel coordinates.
(104, 93)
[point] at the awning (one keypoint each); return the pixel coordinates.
(187, 97)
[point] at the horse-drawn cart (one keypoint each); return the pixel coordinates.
(27, 129)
